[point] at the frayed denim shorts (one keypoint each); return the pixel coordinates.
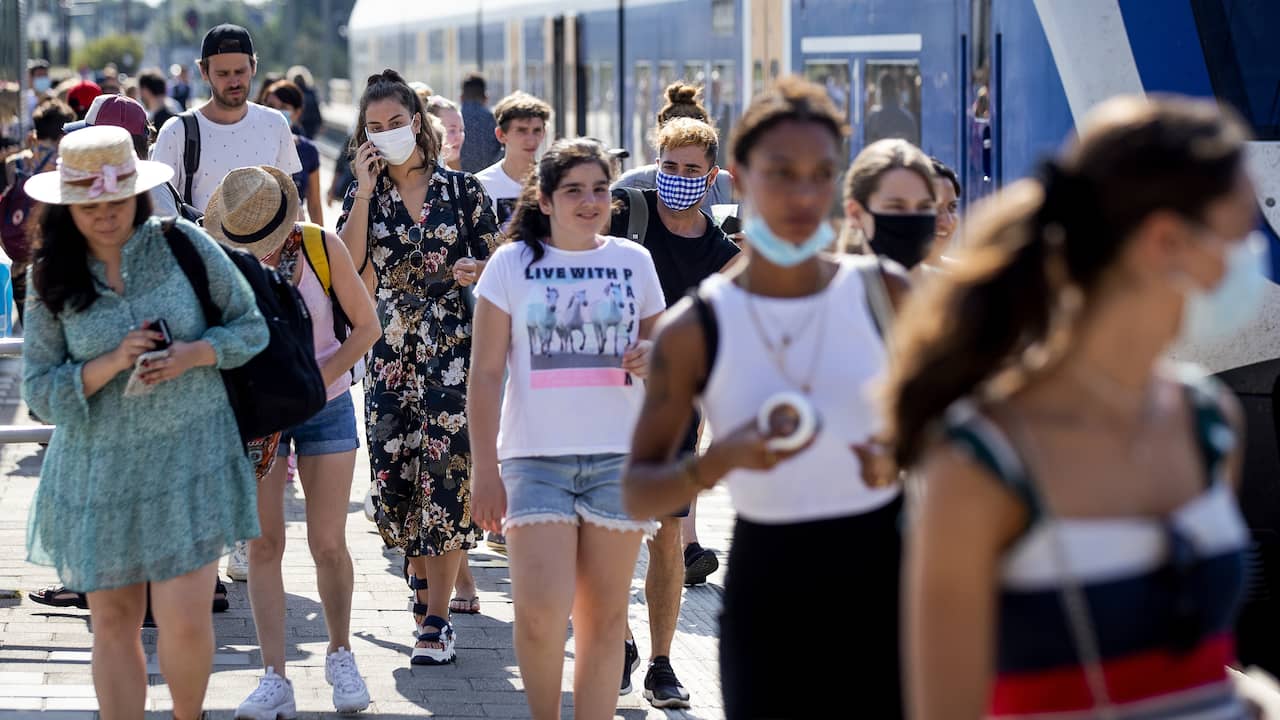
(568, 489)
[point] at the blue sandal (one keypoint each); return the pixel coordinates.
(443, 635)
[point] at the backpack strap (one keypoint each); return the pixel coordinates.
(193, 267)
(710, 332)
(316, 250)
(878, 299)
(191, 150)
(463, 209)
(637, 216)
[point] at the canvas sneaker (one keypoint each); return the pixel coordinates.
(273, 700)
(238, 562)
(350, 694)
(661, 686)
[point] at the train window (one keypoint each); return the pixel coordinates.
(436, 64)
(600, 101)
(757, 78)
(892, 101)
(644, 114)
(721, 100)
(695, 73)
(723, 17)
(666, 76)
(535, 82)
(1244, 67)
(834, 76)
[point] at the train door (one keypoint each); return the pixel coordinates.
(767, 42)
(567, 79)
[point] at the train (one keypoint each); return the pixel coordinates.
(992, 86)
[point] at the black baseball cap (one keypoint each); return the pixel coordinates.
(226, 38)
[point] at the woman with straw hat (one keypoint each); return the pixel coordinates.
(254, 208)
(150, 485)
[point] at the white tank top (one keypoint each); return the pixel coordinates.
(825, 480)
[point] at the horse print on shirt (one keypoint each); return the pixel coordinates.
(580, 321)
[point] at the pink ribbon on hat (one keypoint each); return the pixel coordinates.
(106, 180)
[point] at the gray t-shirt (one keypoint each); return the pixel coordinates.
(645, 177)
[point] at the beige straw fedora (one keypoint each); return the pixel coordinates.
(253, 209)
(96, 164)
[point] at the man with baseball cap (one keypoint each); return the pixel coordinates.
(232, 132)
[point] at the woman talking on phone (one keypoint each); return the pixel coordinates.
(789, 340)
(421, 233)
(105, 516)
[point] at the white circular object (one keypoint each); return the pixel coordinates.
(803, 415)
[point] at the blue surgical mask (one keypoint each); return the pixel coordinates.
(42, 84)
(782, 252)
(1211, 316)
(288, 116)
(681, 193)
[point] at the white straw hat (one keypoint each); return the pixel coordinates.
(253, 209)
(96, 164)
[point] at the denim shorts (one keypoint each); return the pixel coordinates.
(570, 489)
(328, 432)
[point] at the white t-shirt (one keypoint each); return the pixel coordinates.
(501, 189)
(566, 392)
(262, 137)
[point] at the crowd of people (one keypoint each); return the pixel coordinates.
(1038, 509)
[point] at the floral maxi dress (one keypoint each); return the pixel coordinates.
(415, 388)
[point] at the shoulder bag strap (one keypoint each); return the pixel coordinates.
(193, 267)
(191, 150)
(316, 252)
(878, 297)
(710, 332)
(637, 215)
(463, 209)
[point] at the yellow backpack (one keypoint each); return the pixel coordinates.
(316, 252)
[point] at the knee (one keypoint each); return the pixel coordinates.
(184, 628)
(267, 548)
(112, 619)
(668, 536)
(540, 621)
(329, 552)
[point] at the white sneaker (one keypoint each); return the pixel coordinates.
(350, 695)
(238, 562)
(272, 700)
(368, 507)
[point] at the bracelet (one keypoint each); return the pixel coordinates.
(364, 197)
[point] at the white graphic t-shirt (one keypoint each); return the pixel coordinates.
(262, 137)
(573, 315)
(502, 189)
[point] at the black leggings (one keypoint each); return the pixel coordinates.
(835, 649)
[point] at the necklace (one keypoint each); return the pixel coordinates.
(778, 351)
(1120, 401)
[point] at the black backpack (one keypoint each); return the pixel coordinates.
(282, 385)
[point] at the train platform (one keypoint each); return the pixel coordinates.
(45, 652)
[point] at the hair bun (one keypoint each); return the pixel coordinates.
(682, 94)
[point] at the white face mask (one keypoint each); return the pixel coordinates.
(396, 146)
(1216, 314)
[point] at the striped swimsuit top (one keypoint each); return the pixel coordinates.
(1161, 593)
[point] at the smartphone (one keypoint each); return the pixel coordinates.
(161, 327)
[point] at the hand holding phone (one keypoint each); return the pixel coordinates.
(136, 386)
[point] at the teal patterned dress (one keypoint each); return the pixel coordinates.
(150, 487)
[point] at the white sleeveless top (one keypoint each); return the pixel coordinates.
(825, 480)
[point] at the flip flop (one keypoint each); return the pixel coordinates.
(59, 596)
(469, 606)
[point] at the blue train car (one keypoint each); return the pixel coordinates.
(989, 87)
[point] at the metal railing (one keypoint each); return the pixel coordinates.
(14, 434)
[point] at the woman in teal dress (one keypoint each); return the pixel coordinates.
(134, 488)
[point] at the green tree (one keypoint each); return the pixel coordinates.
(123, 50)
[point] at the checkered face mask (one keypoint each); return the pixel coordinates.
(681, 193)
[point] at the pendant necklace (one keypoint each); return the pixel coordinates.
(778, 351)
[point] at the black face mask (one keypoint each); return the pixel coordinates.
(903, 239)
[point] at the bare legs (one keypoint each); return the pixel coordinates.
(556, 569)
(326, 480)
(185, 644)
(662, 585)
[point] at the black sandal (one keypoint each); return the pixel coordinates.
(220, 601)
(59, 596)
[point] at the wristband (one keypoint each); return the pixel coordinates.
(364, 197)
(689, 469)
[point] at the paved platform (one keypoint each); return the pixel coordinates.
(44, 652)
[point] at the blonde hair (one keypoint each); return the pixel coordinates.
(685, 132)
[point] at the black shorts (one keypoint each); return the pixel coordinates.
(862, 631)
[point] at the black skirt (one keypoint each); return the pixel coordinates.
(810, 625)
